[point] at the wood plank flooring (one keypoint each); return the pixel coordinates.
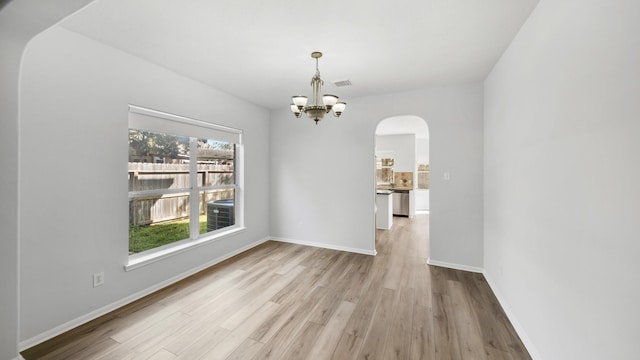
(284, 301)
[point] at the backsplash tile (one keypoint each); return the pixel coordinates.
(403, 179)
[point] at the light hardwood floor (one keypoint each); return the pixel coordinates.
(284, 301)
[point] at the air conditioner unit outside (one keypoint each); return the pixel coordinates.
(220, 214)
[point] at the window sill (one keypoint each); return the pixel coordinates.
(151, 256)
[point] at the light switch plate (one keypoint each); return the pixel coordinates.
(98, 279)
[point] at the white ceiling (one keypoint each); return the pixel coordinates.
(260, 50)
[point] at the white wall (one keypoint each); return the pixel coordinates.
(10, 53)
(73, 152)
(403, 148)
(323, 177)
(422, 151)
(19, 22)
(562, 141)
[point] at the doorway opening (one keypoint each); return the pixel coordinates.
(402, 173)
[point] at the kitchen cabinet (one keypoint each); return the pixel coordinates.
(384, 209)
(384, 171)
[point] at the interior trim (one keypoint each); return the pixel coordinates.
(531, 348)
(129, 299)
(455, 266)
(325, 246)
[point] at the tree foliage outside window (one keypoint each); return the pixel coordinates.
(146, 143)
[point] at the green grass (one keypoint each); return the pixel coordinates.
(147, 237)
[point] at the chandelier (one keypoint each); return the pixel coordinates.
(316, 110)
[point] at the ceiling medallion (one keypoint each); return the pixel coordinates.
(316, 110)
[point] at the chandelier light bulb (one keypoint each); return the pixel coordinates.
(300, 101)
(339, 108)
(329, 100)
(295, 110)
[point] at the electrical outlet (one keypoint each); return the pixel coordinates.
(98, 279)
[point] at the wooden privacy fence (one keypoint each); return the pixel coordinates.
(146, 210)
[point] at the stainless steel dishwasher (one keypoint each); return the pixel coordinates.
(401, 202)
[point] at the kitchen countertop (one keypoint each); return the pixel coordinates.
(394, 188)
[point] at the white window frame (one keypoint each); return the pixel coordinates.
(152, 120)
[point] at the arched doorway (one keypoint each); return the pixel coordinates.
(402, 168)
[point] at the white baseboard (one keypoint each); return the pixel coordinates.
(455, 266)
(127, 300)
(325, 246)
(528, 344)
(533, 351)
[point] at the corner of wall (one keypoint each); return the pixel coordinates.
(454, 266)
(531, 348)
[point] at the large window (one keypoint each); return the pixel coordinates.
(183, 180)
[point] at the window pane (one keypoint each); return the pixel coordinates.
(423, 176)
(157, 221)
(217, 209)
(160, 187)
(216, 160)
(157, 161)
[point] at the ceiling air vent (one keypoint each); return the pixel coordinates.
(342, 83)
